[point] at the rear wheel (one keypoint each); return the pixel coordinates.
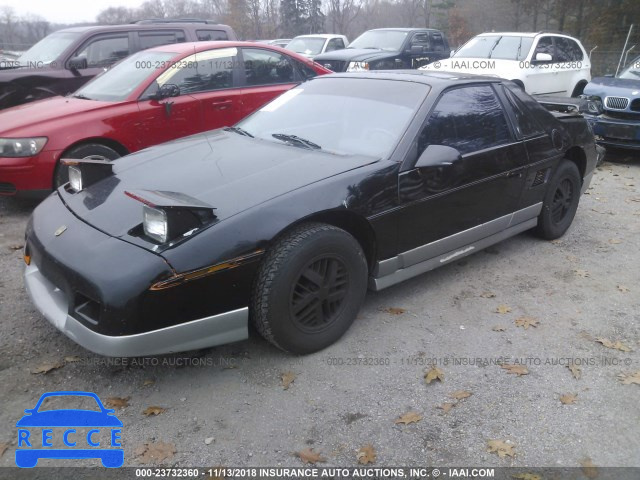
(560, 202)
(309, 288)
(88, 150)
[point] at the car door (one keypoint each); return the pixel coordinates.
(98, 53)
(267, 74)
(484, 184)
(569, 63)
(334, 44)
(419, 50)
(543, 74)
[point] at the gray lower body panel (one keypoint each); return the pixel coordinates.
(432, 255)
(205, 332)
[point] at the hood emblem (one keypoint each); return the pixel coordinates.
(60, 230)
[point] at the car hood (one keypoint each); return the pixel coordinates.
(69, 418)
(605, 86)
(228, 171)
(355, 55)
(478, 66)
(26, 119)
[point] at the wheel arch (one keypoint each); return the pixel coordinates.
(107, 142)
(579, 88)
(576, 155)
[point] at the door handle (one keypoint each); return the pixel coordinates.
(221, 104)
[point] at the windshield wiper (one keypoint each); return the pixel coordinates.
(239, 131)
(295, 140)
(494, 47)
(81, 96)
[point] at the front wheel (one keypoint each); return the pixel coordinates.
(309, 288)
(86, 151)
(560, 202)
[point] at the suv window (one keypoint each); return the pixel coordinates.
(420, 39)
(335, 44)
(105, 51)
(209, 35)
(203, 72)
(468, 119)
(525, 123)
(438, 42)
(545, 45)
(567, 50)
(165, 37)
(263, 67)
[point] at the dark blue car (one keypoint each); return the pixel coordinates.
(33, 447)
(614, 107)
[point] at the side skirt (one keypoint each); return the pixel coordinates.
(433, 255)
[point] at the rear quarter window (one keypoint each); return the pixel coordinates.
(211, 35)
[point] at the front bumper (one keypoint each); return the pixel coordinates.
(18, 175)
(614, 132)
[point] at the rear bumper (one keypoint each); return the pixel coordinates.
(205, 332)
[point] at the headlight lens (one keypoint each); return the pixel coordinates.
(357, 66)
(594, 104)
(21, 147)
(75, 179)
(155, 224)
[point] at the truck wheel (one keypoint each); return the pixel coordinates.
(560, 202)
(309, 288)
(88, 150)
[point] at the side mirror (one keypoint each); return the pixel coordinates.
(543, 57)
(438, 156)
(78, 63)
(165, 91)
(416, 49)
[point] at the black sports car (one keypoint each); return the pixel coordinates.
(346, 182)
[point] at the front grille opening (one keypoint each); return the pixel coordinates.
(616, 103)
(87, 309)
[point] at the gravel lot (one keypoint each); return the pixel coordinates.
(227, 405)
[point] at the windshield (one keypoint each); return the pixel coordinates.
(116, 84)
(308, 45)
(496, 46)
(49, 48)
(632, 72)
(391, 40)
(349, 116)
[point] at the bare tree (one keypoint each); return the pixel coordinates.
(342, 13)
(116, 16)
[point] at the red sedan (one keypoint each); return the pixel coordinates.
(151, 97)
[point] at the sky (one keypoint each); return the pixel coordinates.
(66, 11)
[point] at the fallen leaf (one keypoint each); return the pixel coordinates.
(588, 468)
(629, 378)
(148, 382)
(614, 346)
(488, 295)
(287, 379)
(575, 371)
(526, 322)
(72, 359)
(309, 456)
(3, 448)
(556, 242)
(47, 367)
(460, 394)
(434, 374)
(615, 241)
(568, 398)
(117, 402)
(208, 440)
(498, 328)
(155, 452)
(394, 310)
(527, 476)
(501, 448)
(503, 309)
(16, 247)
(623, 289)
(409, 417)
(153, 411)
(366, 454)
(515, 369)
(582, 273)
(445, 407)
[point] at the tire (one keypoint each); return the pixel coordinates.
(292, 305)
(560, 202)
(88, 150)
(578, 89)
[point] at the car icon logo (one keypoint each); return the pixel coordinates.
(60, 230)
(40, 428)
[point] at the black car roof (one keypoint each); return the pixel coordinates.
(428, 77)
(142, 26)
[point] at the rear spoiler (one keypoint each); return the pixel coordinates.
(564, 104)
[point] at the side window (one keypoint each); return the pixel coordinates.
(545, 45)
(525, 123)
(468, 119)
(202, 72)
(263, 67)
(420, 39)
(210, 35)
(305, 71)
(438, 42)
(105, 51)
(576, 50)
(165, 37)
(335, 44)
